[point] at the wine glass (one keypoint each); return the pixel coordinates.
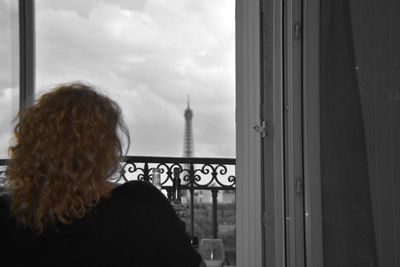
(212, 251)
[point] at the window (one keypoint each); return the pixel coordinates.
(248, 91)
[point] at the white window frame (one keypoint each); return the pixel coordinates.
(260, 221)
(265, 177)
(248, 143)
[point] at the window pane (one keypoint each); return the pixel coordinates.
(149, 56)
(9, 77)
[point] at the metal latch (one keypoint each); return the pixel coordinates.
(297, 31)
(264, 218)
(261, 129)
(299, 185)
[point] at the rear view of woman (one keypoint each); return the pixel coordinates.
(62, 210)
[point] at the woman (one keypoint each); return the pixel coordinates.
(61, 208)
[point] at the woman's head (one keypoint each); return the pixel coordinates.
(66, 146)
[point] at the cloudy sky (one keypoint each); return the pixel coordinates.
(148, 55)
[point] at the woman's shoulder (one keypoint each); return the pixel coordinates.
(134, 187)
(130, 201)
(137, 192)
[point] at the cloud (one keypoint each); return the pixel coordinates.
(148, 55)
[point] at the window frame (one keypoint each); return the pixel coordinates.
(249, 250)
(272, 153)
(27, 52)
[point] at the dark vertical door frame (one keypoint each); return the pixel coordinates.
(293, 136)
(27, 52)
(311, 134)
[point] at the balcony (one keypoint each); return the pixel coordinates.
(208, 188)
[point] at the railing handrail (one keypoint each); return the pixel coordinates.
(161, 159)
(194, 160)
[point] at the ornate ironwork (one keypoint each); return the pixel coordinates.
(3, 166)
(201, 173)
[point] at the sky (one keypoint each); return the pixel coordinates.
(8, 71)
(148, 55)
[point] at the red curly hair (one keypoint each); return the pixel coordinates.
(66, 147)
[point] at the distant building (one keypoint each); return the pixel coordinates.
(205, 196)
(228, 196)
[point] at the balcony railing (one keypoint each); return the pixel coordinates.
(197, 174)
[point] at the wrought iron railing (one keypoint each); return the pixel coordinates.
(210, 174)
(3, 165)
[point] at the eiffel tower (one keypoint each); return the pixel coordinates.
(188, 149)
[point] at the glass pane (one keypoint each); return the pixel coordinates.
(360, 132)
(148, 56)
(9, 73)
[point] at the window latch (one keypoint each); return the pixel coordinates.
(261, 129)
(297, 31)
(299, 185)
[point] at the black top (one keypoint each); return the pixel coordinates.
(135, 227)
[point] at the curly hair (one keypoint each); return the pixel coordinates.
(66, 147)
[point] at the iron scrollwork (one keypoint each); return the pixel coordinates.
(197, 173)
